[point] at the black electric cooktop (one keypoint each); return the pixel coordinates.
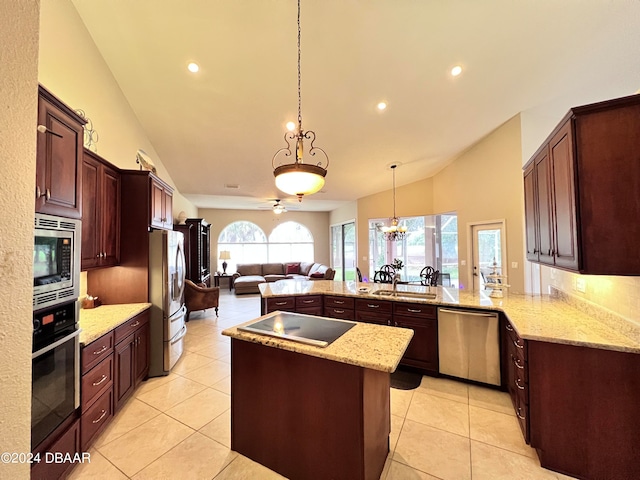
(318, 331)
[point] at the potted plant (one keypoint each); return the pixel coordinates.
(397, 264)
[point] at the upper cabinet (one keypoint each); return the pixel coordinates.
(58, 188)
(582, 208)
(100, 212)
(147, 199)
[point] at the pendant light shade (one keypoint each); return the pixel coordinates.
(299, 178)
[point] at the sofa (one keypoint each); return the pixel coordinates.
(248, 276)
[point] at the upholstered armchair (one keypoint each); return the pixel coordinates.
(199, 297)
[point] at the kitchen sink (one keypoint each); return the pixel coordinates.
(389, 293)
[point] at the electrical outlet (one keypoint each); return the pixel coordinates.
(514, 264)
(581, 285)
(463, 262)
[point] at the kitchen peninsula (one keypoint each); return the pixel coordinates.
(310, 412)
(565, 365)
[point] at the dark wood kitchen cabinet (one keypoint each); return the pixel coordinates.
(422, 351)
(197, 249)
(65, 440)
(147, 200)
(583, 410)
(161, 204)
(515, 358)
(374, 311)
(58, 188)
(581, 208)
(131, 357)
(100, 212)
(339, 307)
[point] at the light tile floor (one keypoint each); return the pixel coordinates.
(178, 426)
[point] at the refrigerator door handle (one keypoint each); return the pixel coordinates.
(179, 314)
(180, 336)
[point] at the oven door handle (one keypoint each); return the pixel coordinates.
(44, 350)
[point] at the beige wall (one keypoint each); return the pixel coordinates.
(482, 184)
(19, 96)
(71, 67)
(316, 222)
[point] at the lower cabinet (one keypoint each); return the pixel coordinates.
(373, 311)
(309, 304)
(112, 367)
(339, 307)
(65, 440)
(131, 359)
(422, 352)
(515, 350)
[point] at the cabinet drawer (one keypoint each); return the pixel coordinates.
(97, 351)
(308, 301)
(339, 302)
(414, 310)
(519, 367)
(281, 303)
(130, 326)
(96, 380)
(522, 413)
(96, 418)
(378, 306)
(311, 310)
(338, 312)
(373, 317)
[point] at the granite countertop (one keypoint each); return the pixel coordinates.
(95, 322)
(535, 317)
(377, 347)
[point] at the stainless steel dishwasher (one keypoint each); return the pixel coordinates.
(469, 345)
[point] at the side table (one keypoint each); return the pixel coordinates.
(216, 280)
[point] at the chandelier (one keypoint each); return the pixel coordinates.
(395, 231)
(299, 178)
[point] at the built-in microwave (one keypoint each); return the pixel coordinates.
(56, 260)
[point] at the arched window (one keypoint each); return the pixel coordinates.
(246, 242)
(291, 241)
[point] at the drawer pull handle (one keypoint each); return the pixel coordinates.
(135, 324)
(370, 305)
(338, 311)
(509, 327)
(102, 350)
(339, 302)
(99, 419)
(516, 362)
(281, 303)
(413, 311)
(518, 384)
(518, 414)
(308, 301)
(104, 377)
(515, 342)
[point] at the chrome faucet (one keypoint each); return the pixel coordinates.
(396, 279)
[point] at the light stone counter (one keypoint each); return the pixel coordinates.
(95, 322)
(377, 347)
(535, 317)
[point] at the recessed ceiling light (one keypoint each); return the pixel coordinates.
(291, 126)
(381, 106)
(457, 70)
(193, 67)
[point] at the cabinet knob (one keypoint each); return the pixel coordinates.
(40, 193)
(43, 129)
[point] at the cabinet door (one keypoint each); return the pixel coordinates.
(157, 205)
(58, 162)
(422, 351)
(142, 353)
(544, 202)
(167, 209)
(110, 221)
(566, 239)
(90, 251)
(125, 371)
(531, 214)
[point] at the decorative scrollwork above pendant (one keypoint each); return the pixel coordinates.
(90, 135)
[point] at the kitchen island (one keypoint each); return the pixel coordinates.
(309, 412)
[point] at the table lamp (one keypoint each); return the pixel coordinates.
(224, 256)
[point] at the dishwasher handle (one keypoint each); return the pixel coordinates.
(466, 312)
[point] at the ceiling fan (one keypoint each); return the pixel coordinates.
(277, 207)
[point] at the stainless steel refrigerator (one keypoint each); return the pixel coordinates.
(166, 292)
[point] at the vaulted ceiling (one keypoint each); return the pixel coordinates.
(222, 125)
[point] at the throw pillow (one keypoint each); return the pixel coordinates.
(292, 268)
(317, 275)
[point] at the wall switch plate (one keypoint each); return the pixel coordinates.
(364, 259)
(514, 264)
(581, 285)
(463, 262)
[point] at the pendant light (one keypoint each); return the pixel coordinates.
(299, 178)
(394, 231)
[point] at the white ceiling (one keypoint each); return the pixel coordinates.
(222, 125)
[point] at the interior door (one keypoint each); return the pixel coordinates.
(488, 247)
